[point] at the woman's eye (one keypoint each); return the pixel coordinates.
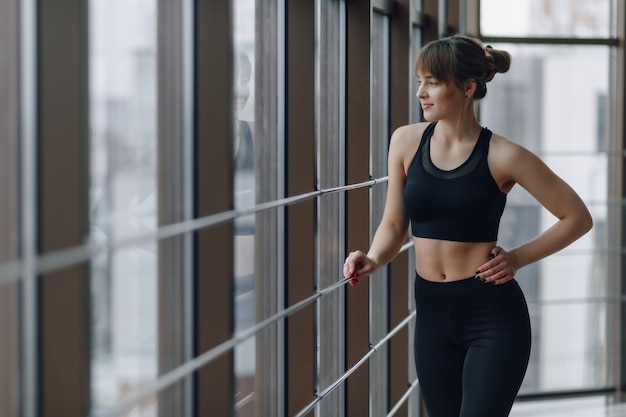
(430, 83)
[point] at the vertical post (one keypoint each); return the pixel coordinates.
(270, 153)
(358, 14)
(616, 213)
(399, 113)
(442, 18)
(214, 194)
(28, 31)
(175, 189)
(10, 352)
(453, 17)
(469, 21)
(331, 209)
(300, 178)
(63, 206)
(432, 18)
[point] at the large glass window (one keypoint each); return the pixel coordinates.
(563, 18)
(122, 61)
(558, 100)
(553, 102)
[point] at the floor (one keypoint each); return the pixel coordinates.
(592, 406)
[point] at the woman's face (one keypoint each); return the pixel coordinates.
(439, 99)
(242, 94)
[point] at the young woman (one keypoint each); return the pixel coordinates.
(449, 178)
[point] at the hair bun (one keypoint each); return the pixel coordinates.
(497, 61)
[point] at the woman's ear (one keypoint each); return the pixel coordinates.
(470, 87)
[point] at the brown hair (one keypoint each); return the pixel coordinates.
(459, 58)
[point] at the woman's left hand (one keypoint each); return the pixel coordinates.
(500, 268)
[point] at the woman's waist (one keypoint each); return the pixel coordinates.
(447, 261)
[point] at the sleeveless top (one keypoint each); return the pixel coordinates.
(464, 204)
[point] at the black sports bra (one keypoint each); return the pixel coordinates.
(464, 204)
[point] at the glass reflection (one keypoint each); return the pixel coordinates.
(244, 197)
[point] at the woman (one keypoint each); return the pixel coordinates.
(449, 178)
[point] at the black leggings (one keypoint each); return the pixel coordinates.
(472, 345)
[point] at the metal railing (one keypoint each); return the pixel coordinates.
(27, 268)
(10, 271)
(187, 368)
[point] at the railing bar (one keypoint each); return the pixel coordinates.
(576, 300)
(196, 363)
(10, 271)
(406, 246)
(401, 401)
(217, 351)
(244, 401)
(350, 371)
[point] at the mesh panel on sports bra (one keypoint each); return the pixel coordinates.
(465, 168)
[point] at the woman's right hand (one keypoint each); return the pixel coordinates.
(358, 264)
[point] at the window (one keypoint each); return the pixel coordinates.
(244, 197)
(562, 18)
(123, 199)
(554, 102)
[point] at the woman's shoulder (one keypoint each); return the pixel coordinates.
(404, 143)
(506, 152)
(409, 135)
(505, 144)
(412, 128)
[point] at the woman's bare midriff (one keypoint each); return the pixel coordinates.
(444, 260)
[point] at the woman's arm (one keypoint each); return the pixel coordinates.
(391, 232)
(515, 164)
